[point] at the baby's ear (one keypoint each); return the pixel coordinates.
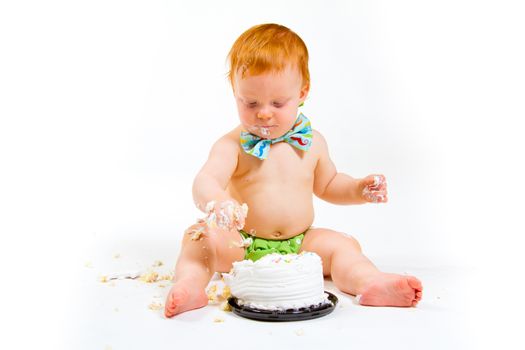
(304, 93)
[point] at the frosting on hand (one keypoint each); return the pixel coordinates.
(226, 215)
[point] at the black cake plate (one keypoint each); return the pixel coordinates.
(304, 313)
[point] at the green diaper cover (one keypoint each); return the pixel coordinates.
(261, 247)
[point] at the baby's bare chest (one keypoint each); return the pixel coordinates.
(285, 165)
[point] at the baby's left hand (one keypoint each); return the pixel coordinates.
(373, 189)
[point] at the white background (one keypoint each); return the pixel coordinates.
(108, 110)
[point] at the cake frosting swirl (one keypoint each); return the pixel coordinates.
(278, 282)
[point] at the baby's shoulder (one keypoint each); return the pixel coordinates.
(228, 141)
(232, 136)
(317, 135)
(318, 140)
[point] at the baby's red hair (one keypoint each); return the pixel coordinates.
(266, 48)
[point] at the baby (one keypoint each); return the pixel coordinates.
(273, 163)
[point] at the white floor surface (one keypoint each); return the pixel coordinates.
(116, 315)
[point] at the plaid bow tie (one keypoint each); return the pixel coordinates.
(300, 137)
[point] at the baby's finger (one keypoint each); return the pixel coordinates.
(382, 198)
(370, 181)
(379, 191)
(376, 197)
(379, 182)
(382, 182)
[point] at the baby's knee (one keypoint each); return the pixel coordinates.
(205, 237)
(202, 247)
(196, 234)
(350, 241)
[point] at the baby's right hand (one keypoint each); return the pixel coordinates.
(227, 215)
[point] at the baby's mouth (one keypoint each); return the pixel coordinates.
(264, 130)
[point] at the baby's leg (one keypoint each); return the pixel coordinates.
(353, 273)
(198, 260)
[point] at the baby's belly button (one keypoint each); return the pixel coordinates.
(276, 234)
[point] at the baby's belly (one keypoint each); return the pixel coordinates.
(279, 214)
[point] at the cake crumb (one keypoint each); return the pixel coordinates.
(162, 285)
(299, 332)
(212, 293)
(116, 256)
(149, 277)
(225, 306)
(155, 306)
(218, 320)
(226, 292)
(116, 309)
(103, 279)
(196, 235)
(196, 232)
(167, 277)
(158, 263)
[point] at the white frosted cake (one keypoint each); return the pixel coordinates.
(278, 282)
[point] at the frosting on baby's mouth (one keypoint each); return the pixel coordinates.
(263, 130)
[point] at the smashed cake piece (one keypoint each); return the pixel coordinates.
(167, 277)
(218, 294)
(212, 293)
(149, 277)
(197, 230)
(226, 292)
(155, 306)
(124, 275)
(225, 306)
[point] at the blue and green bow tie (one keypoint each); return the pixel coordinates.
(300, 137)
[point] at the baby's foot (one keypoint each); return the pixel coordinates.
(392, 290)
(181, 298)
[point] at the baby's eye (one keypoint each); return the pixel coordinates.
(278, 104)
(252, 104)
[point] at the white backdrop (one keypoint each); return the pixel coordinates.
(108, 110)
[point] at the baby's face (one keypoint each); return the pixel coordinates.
(268, 103)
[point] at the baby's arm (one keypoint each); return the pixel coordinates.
(209, 191)
(339, 188)
(211, 181)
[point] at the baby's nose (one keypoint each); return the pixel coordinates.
(264, 114)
